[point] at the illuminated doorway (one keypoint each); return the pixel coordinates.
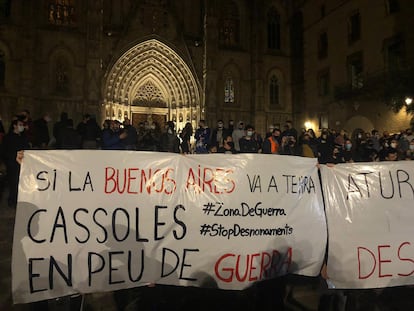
(151, 81)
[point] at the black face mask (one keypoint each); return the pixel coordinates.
(231, 144)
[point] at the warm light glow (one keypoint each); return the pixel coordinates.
(308, 124)
(408, 100)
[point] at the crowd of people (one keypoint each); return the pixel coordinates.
(329, 147)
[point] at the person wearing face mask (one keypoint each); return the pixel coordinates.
(324, 147)
(394, 144)
(386, 144)
(307, 149)
(289, 146)
(403, 144)
(337, 155)
(269, 131)
(360, 147)
(14, 141)
(169, 141)
(202, 137)
(237, 134)
(271, 144)
(410, 151)
(249, 143)
(289, 130)
(218, 134)
(151, 138)
(347, 151)
(228, 146)
(375, 138)
(383, 149)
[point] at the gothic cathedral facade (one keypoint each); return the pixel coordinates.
(180, 60)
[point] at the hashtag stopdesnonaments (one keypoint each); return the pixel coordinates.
(219, 230)
(205, 229)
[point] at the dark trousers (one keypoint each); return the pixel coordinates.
(13, 172)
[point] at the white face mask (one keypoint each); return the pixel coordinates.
(393, 145)
(412, 147)
(20, 128)
(249, 133)
(152, 127)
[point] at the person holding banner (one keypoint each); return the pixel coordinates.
(114, 138)
(13, 142)
(272, 142)
(410, 152)
(348, 151)
(202, 137)
(185, 136)
(391, 154)
(251, 142)
(228, 146)
(169, 141)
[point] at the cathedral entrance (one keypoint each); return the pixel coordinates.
(152, 82)
(160, 119)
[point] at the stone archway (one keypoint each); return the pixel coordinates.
(151, 79)
(359, 122)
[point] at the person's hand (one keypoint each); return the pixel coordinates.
(19, 156)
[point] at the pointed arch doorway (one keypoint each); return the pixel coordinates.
(151, 82)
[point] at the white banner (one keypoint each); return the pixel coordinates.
(92, 221)
(370, 214)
